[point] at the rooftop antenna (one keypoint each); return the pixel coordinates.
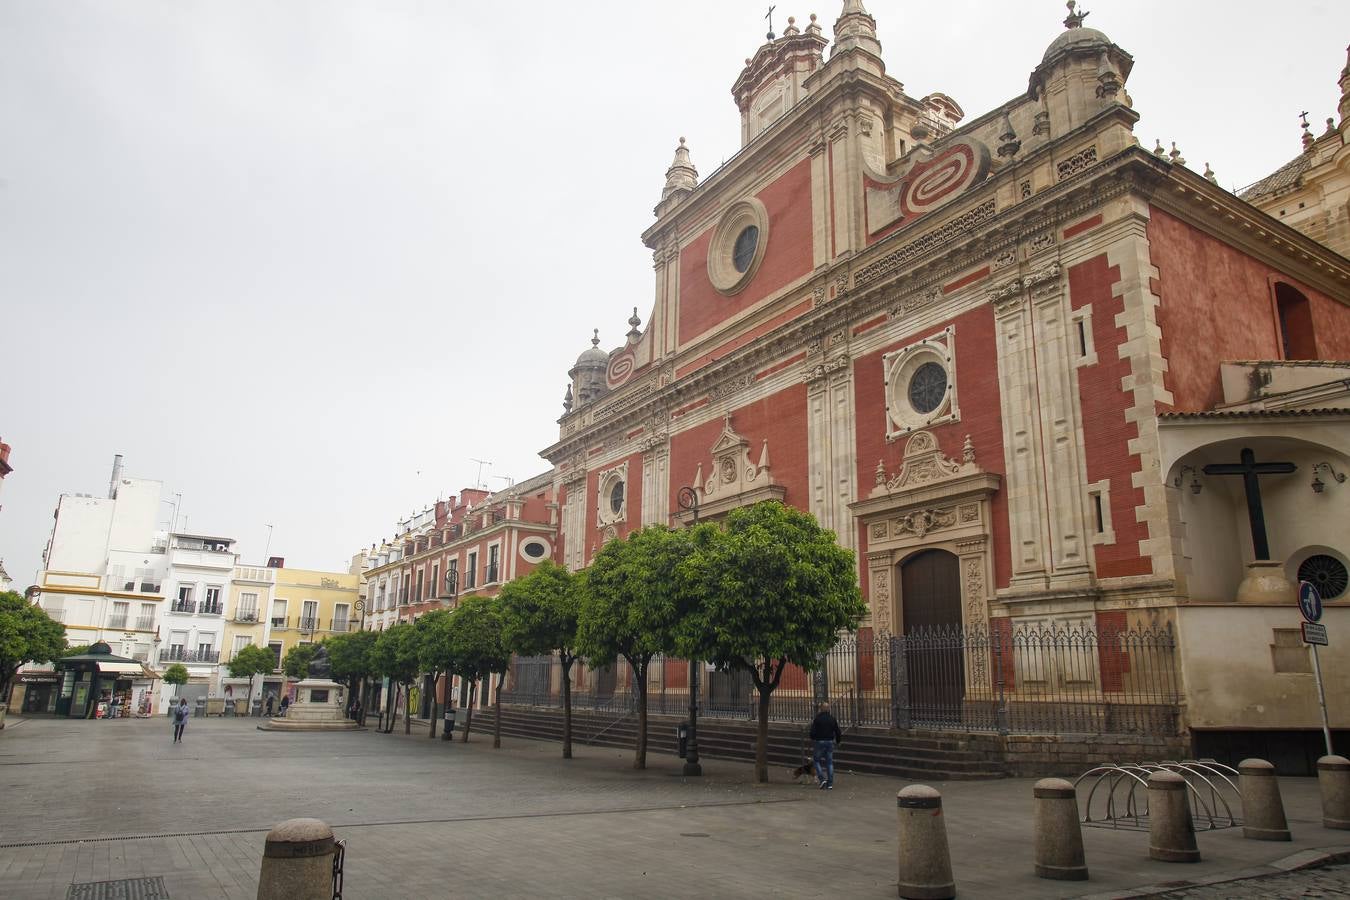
(481, 462)
(770, 18)
(510, 482)
(268, 549)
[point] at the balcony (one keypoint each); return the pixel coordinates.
(403, 597)
(246, 615)
(183, 655)
(145, 623)
(309, 623)
(117, 623)
(211, 609)
(281, 622)
(184, 606)
(339, 626)
(201, 558)
(490, 574)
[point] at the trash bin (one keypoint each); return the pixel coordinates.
(682, 739)
(257, 706)
(448, 732)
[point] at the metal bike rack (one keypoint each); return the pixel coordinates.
(1118, 796)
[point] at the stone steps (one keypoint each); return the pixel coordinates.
(937, 758)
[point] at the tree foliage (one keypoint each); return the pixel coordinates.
(27, 634)
(477, 649)
(539, 613)
(776, 589)
(296, 662)
(176, 675)
(395, 656)
(635, 599)
(434, 653)
(350, 656)
(250, 662)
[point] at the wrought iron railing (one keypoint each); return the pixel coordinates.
(246, 615)
(185, 606)
(117, 623)
(145, 623)
(211, 609)
(180, 654)
(309, 623)
(1023, 679)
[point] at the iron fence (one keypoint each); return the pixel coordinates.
(1006, 678)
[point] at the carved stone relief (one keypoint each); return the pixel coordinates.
(923, 462)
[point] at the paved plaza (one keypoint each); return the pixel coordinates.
(98, 801)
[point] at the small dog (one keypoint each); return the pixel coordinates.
(797, 772)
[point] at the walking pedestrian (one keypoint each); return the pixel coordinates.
(180, 717)
(271, 698)
(826, 734)
(285, 704)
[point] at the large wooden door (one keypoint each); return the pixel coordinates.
(930, 592)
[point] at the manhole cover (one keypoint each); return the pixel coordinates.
(123, 889)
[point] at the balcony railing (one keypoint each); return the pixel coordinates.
(402, 596)
(117, 623)
(246, 615)
(340, 625)
(281, 622)
(211, 609)
(490, 574)
(145, 623)
(309, 623)
(182, 654)
(185, 606)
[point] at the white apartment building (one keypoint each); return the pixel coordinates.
(103, 571)
(197, 583)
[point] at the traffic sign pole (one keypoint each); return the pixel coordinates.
(1322, 700)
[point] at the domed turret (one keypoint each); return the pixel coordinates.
(1075, 36)
(588, 375)
(1081, 74)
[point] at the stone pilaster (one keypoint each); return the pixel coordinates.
(1061, 431)
(831, 425)
(656, 484)
(1027, 513)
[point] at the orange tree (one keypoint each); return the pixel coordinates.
(775, 588)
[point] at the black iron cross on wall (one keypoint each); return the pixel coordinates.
(1250, 469)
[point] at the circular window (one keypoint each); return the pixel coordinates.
(1326, 573)
(616, 498)
(744, 254)
(737, 246)
(534, 550)
(927, 387)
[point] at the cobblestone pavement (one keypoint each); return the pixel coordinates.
(1332, 881)
(98, 801)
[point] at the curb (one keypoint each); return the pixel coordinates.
(1314, 858)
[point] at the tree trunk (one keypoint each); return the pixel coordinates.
(407, 708)
(567, 708)
(640, 757)
(391, 708)
(468, 715)
(762, 738)
(431, 728)
(497, 719)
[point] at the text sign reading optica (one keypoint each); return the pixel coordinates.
(1309, 601)
(1315, 634)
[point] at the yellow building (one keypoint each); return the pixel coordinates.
(251, 591)
(308, 606)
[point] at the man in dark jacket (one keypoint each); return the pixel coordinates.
(825, 734)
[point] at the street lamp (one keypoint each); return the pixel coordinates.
(688, 500)
(448, 726)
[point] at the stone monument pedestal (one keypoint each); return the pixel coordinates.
(317, 707)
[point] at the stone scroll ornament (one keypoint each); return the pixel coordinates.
(925, 185)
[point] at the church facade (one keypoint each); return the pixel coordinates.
(1033, 374)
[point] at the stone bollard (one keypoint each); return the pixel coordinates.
(1059, 837)
(1333, 777)
(298, 862)
(1262, 809)
(1171, 833)
(925, 860)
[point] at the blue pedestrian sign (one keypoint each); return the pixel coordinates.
(1309, 601)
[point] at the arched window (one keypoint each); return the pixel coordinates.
(1295, 321)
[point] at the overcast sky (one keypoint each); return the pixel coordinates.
(304, 261)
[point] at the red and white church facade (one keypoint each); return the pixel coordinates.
(1000, 357)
